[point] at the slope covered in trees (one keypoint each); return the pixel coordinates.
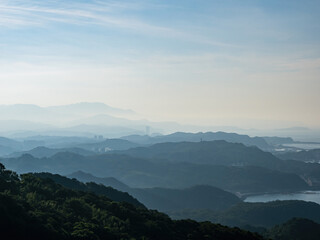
(164, 199)
(297, 229)
(264, 215)
(98, 189)
(107, 181)
(35, 208)
(196, 197)
(143, 173)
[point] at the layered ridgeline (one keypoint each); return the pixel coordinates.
(258, 215)
(305, 155)
(296, 228)
(204, 203)
(164, 199)
(22, 145)
(41, 152)
(143, 173)
(230, 166)
(184, 179)
(85, 149)
(46, 146)
(107, 181)
(8, 146)
(228, 154)
(206, 136)
(218, 152)
(98, 189)
(35, 208)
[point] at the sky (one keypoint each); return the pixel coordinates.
(248, 63)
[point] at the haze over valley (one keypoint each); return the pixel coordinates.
(160, 120)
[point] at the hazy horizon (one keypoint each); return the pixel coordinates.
(160, 119)
(90, 119)
(218, 63)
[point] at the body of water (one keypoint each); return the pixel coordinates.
(311, 196)
(305, 146)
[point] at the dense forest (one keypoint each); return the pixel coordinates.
(204, 181)
(297, 229)
(37, 208)
(258, 214)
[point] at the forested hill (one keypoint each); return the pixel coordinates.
(297, 229)
(35, 208)
(98, 189)
(217, 152)
(260, 214)
(144, 173)
(164, 199)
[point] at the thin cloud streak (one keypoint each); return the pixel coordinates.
(75, 14)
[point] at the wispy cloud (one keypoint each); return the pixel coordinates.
(98, 13)
(108, 14)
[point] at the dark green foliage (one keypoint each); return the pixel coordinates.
(255, 214)
(107, 181)
(7, 179)
(295, 229)
(74, 184)
(197, 197)
(42, 209)
(269, 214)
(164, 199)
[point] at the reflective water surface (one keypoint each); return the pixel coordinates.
(312, 196)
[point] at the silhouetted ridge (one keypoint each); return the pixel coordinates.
(107, 181)
(217, 152)
(109, 145)
(196, 197)
(40, 152)
(100, 189)
(197, 137)
(142, 173)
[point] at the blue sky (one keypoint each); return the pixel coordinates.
(245, 63)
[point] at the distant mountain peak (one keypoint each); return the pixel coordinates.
(96, 107)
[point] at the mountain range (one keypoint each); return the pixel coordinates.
(237, 168)
(80, 119)
(97, 143)
(168, 199)
(39, 208)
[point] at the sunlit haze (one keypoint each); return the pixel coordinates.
(160, 119)
(249, 64)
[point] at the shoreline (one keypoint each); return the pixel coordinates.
(244, 196)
